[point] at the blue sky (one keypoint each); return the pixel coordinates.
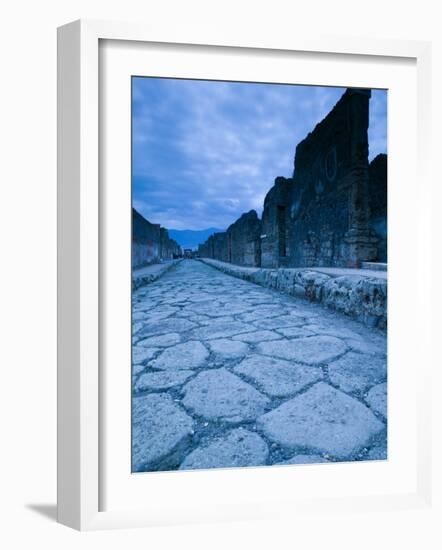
(204, 152)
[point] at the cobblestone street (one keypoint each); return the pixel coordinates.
(227, 373)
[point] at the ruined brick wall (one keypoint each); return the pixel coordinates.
(203, 250)
(330, 220)
(378, 203)
(151, 242)
(146, 248)
(275, 242)
(170, 249)
(332, 212)
(240, 244)
(219, 246)
(243, 240)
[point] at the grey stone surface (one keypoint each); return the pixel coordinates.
(161, 341)
(162, 380)
(166, 326)
(219, 395)
(145, 275)
(161, 432)
(189, 355)
(312, 350)
(221, 329)
(295, 332)
(281, 322)
(355, 372)
(259, 336)
(323, 419)
(367, 346)
(246, 383)
(377, 399)
(352, 292)
(239, 447)
(141, 354)
(229, 349)
(137, 369)
(305, 459)
(377, 453)
(276, 377)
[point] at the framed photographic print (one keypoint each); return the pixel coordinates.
(227, 213)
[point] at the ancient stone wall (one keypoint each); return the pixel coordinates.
(331, 212)
(219, 246)
(150, 242)
(203, 250)
(330, 204)
(243, 240)
(146, 247)
(170, 249)
(275, 242)
(378, 203)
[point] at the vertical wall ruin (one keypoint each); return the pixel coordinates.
(275, 237)
(377, 171)
(330, 216)
(332, 212)
(150, 242)
(243, 239)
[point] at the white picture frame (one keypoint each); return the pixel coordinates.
(80, 295)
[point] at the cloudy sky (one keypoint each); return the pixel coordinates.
(204, 152)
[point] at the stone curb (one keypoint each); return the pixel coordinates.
(147, 278)
(363, 298)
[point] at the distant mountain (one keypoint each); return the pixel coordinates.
(189, 238)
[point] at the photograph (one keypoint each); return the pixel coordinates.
(259, 274)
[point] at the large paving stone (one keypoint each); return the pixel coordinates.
(141, 354)
(323, 419)
(259, 336)
(162, 380)
(377, 399)
(312, 350)
(221, 329)
(190, 355)
(355, 372)
(238, 448)
(161, 432)
(219, 395)
(338, 332)
(305, 459)
(280, 322)
(166, 326)
(137, 369)
(277, 377)
(378, 452)
(261, 312)
(295, 332)
(161, 341)
(158, 313)
(368, 347)
(228, 349)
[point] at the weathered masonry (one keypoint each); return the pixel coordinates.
(240, 244)
(331, 212)
(151, 242)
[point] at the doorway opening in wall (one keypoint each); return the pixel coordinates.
(232, 239)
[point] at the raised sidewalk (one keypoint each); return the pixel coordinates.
(358, 293)
(150, 273)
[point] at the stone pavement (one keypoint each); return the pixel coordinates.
(150, 273)
(227, 373)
